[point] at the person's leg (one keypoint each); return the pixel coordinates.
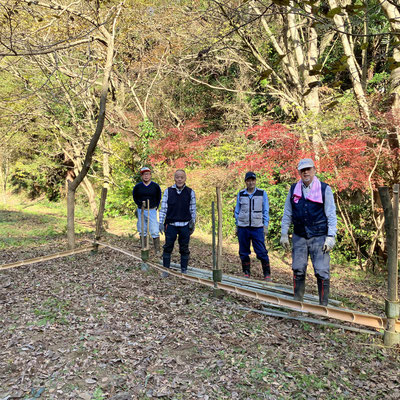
(153, 227)
(154, 230)
(258, 240)
(244, 249)
(183, 240)
(299, 265)
(321, 261)
(170, 237)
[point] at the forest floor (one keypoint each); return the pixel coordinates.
(94, 326)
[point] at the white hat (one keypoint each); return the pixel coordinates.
(305, 163)
(144, 169)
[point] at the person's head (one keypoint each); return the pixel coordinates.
(250, 180)
(145, 173)
(306, 168)
(180, 178)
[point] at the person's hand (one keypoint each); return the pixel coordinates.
(161, 228)
(265, 230)
(236, 230)
(329, 243)
(285, 242)
(191, 227)
(137, 213)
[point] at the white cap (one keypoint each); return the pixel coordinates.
(305, 163)
(144, 169)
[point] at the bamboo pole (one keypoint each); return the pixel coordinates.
(142, 225)
(100, 215)
(396, 218)
(217, 272)
(148, 226)
(145, 251)
(219, 244)
(390, 337)
(214, 260)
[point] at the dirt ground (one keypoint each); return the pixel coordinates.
(94, 326)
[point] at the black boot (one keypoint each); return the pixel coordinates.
(299, 287)
(323, 291)
(266, 270)
(246, 268)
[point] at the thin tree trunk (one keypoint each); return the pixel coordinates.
(393, 14)
(352, 64)
(72, 186)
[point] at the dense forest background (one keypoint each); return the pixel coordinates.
(90, 91)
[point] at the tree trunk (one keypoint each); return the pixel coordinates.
(393, 14)
(72, 186)
(351, 63)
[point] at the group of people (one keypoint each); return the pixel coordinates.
(309, 207)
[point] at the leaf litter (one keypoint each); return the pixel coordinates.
(94, 326)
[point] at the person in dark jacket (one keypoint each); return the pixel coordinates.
(252, 218)
(177, 219)
(310, 207)
(143, 191)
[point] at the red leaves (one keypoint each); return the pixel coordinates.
(182, 146)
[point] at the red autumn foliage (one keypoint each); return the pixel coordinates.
(182, 146)
(345, 162)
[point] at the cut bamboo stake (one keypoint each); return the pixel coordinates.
(99, 222)
(148, 226)
(145, 252)
(391, 337)
(214, 261)
(217, 272)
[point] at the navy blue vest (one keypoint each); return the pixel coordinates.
(178, 205)
(308, 217)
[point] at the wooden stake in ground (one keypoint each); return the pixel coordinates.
(99, 222)
(143, 239)
(391, 337)
(217, 272)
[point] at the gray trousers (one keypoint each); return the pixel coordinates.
(302, 248)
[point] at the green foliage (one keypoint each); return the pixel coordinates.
(147, 132)
(52, 310)
(378, 82)
(41, 175)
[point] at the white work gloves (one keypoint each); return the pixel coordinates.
(161, 228)
(329, 243)
(285, 242)
(265, 230)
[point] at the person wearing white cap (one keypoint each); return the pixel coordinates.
(310, 207)
(252, 218)
(143, 191)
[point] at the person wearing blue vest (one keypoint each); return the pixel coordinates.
(177, 219)
(252, 218)
(310, 207)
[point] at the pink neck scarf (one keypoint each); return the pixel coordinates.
(314, 195)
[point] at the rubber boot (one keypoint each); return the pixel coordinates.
(266, 270)
(299, 287)
(184, 264)
(156, 244)
(166, 264)
(246, 268)
(323, 291)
